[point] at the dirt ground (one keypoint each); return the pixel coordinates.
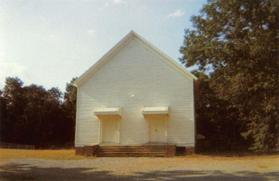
(64, 165)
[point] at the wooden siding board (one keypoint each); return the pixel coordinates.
(136, 70)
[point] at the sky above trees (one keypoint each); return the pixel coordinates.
(48, 42)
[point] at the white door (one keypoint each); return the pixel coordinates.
(157, 131)
(110, 131)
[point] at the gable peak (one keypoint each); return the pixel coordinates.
(128, 37)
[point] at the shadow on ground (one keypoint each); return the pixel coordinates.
(28, 172)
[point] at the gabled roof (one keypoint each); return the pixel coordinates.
(171, 62)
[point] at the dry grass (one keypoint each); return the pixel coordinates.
(69, 154)
(6, 154)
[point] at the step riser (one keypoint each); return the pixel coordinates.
(129, 154)
(129, 151)
(132, 151)
(137, 150)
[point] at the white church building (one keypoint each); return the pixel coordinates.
(135, 95)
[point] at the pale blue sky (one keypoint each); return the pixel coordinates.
(47, 42)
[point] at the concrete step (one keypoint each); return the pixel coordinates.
(134, 154)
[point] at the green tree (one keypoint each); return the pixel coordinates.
(237, 41)
(13, 94)
(43, 117)
(220, 129)
(33, 115)
(69, 104)
(3, 116)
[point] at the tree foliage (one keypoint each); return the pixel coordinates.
(69, 105)
(237, 42)
(220, 129)
(36, 116)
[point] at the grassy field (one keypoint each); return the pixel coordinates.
(6, 154)
(69, 154)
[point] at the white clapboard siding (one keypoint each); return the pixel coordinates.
(136, 77)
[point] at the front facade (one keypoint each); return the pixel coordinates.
(135, 95)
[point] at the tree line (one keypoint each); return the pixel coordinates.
(234, 45)
(33, 115)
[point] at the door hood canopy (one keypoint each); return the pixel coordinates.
(108, 111)
(155, 110)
